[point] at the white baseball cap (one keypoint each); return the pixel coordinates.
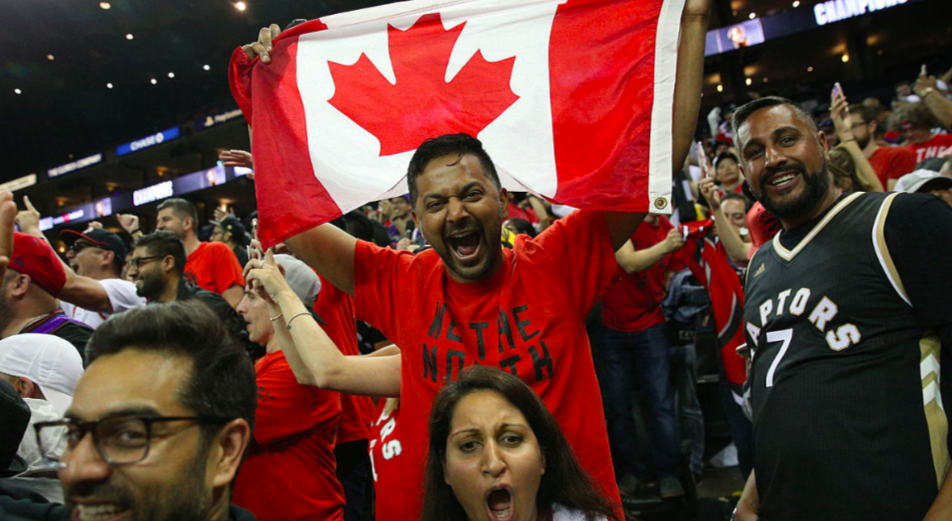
(917, 181)
(48, 361)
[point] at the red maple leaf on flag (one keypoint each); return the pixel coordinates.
(422, 104)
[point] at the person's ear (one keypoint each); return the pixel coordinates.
(824, 144)
(446, 478)
(168, 263)
(504, 203)
(22, 285)
(871, 128)
(25, 387)
(416, 221)
(108, 256)
(227, 450)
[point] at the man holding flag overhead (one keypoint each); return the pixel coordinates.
(595, 130)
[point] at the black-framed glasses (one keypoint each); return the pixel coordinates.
(136, 262)
(120, 440)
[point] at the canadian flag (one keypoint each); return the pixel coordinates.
(571, 98)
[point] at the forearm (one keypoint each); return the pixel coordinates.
(317, 361)
(233, 295)
(736, 248)
(940, 106)
(942, 506)
(748, 505)
(542, 213)
(640, 260)
(687, 86)
(330, 251)
(864, 170)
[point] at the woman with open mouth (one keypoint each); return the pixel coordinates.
(497, 454)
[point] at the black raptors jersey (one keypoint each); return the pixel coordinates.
(848, 420)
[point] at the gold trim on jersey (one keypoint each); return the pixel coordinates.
(882, 249)
(929, 349)
(788, 255)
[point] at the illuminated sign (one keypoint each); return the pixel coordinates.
(19, 183)
(836, 10)
(737, 36)
(146, 142)
(153, 193)
(210, 121)
(75, 165)
(242, 171)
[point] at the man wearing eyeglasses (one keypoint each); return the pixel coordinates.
(157, 269)
(93, 289)
(159, 422)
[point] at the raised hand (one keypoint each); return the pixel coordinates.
(8, 214)
(129, 222)
(840, 114)
(674, 241)
(710, 193)
(266, 277)
(262, 47)
(28, 220)
(237, 158)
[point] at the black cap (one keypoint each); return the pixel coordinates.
(233, 225)
(101, 237)
(16, 418)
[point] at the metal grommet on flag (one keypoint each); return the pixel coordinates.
(660, 203)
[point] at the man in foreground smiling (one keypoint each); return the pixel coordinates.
(846, 311)
(159, 421)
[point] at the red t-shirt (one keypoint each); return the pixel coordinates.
(387, 466)
(289, 470)
(931, 148)
(633, 302)
(892, 163)
(214, 267)
(337, 309)
(528, 318)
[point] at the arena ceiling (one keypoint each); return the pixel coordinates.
(73, 82)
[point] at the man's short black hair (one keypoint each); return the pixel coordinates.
(448, 144)
(222, 379)
(182, 209)
(747, 109)
(164, 243)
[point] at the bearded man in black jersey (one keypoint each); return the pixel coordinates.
(846, 313)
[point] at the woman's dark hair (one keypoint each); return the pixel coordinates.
(222, 380)
(564, 481)
(448, 144)
(522, 226)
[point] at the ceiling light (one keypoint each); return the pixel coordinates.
(129, 36)
(879, 52)
(171, 75)
(17, 91)
(765, 79)
(50, 57)
(753, 15)
(720, 88)
(109, 85)
(207, 68)
(749, 81)
(796, 3)
(810, 69)
(241, 6)
(153, 81)
(845, 58)
(105, 5)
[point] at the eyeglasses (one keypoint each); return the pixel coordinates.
(80, 246)
(136, 262)
(120, 440)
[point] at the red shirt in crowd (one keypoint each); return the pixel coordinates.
(892, 163)
(289, 470)
(528, 318)
(633, 302)
(931, 148)
(386, 449)
(214, 267)
(337, 310)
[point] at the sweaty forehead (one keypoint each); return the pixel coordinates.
(445, 172)
(129, 380)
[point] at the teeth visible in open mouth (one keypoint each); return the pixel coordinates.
(500, 503)
(96, 512)
(782, 179)
(501, 514)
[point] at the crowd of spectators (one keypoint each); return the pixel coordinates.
(169, 377)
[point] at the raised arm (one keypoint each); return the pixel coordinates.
(840, 114)
(632, 261)
(312, 355)
(940, 106)
(8, 214)
(687, 104)
(84, 292)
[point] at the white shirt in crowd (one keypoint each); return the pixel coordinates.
(122, 296)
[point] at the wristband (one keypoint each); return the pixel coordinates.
(279, 315)
(926, 91)
(847, 140)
